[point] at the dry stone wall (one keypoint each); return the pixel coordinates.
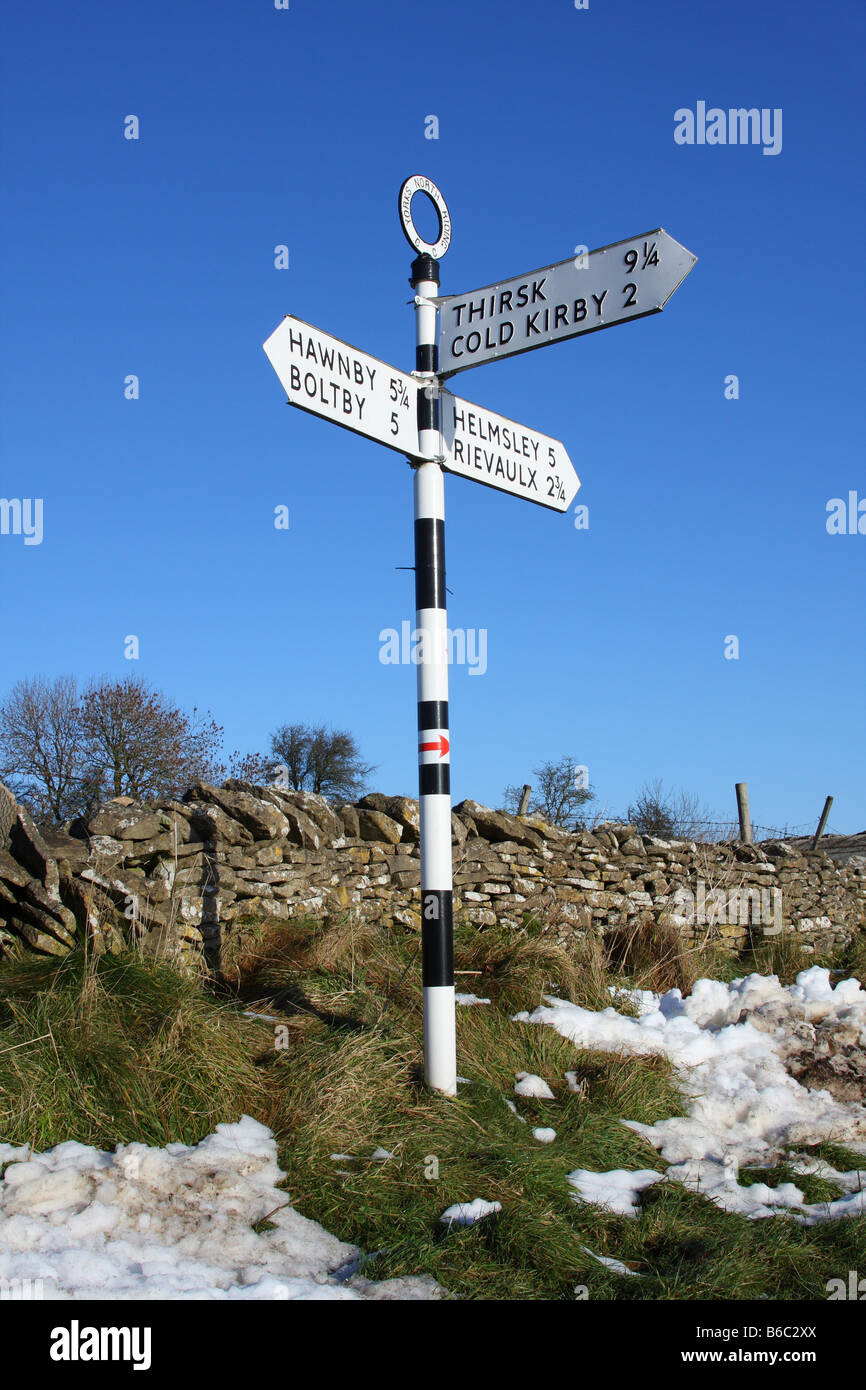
(178, 875)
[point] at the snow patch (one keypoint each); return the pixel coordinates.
(467, 1213)
(616, 1191)
(616, 1265)
(529, 1085)
(176, 1222)
(731, 1046)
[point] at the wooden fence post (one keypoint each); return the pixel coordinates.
(822, 822)
(743, 809)
(524, 799)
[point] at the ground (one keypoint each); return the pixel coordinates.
(642, 1144)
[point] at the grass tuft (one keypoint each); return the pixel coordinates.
(109, 1049)
(652, 954)
(780, 955)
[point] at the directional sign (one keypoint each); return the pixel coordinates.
(490, 449)
(439, 745)
(327, 377)
(595, 290)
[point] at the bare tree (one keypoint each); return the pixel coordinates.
(668, 814)
(250, 767)
(146, 746)
(321, 760)
(290, 746)
(61, 752)
(558, 795)
(42, 751)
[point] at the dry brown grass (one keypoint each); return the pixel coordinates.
(341, 973)
(517, 969)
(260, 959)
(783, 956)
(105, 1049)
(651, 953)
(595, 981)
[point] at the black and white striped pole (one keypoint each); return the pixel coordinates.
(431, 622)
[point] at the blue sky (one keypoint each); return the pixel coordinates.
(261, 127)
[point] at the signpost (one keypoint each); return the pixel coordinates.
(439, 432)
(431, 622)
(492, 450)
(327, 377)
(615, 284)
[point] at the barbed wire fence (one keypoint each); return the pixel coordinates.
(711, 831)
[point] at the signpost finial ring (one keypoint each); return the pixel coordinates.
(419, 183)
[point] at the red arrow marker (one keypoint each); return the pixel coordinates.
(441, 746)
